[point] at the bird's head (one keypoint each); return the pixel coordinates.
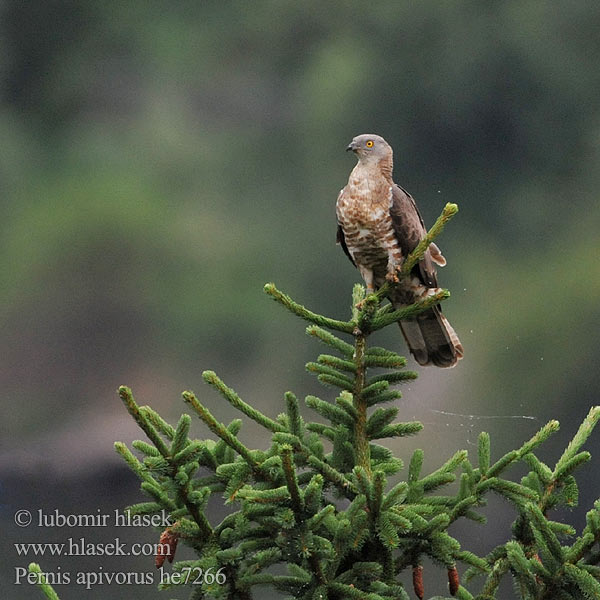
(370, 147)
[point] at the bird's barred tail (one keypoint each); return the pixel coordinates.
(431, 339)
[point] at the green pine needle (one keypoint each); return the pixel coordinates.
(306, 314)
(44, 586)
(142, 420)
(211, 378)
(450, 210)
(331, 340)
(220, 429)
(579, 439)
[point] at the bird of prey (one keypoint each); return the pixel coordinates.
(378, 226)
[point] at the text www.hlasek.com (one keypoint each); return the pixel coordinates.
(79, 547)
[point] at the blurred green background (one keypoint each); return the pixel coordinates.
(159, 162)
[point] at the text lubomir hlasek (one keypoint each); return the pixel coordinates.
(56, 518)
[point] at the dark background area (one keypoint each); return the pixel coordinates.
(160, 162)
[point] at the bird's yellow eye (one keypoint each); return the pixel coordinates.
(369, 144)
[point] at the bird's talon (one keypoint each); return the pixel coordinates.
(370, 296)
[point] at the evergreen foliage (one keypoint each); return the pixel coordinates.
(321, 513)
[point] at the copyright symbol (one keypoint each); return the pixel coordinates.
(23, 518)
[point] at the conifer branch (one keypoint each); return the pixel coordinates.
(331, 340)
(293, 414)
(361, 437)
(212, 379)
(409, 311)
(578, 440)
(286, 513)
(220, 430)
(417, 254)
(358, 296)
(42, 583)
(134, 464)
(539, 438)
(306, 314)
(134, 410)
(287, 461)
(331, 474)
(180, 439)
(158, 422)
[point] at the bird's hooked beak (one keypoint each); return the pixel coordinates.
(351, 146)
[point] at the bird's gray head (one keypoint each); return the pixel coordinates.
(370, 147)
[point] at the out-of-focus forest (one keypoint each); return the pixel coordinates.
(160, 162)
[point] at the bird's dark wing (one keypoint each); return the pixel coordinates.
(410, 230)
(341, 240)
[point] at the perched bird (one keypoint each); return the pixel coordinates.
(378, 226)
